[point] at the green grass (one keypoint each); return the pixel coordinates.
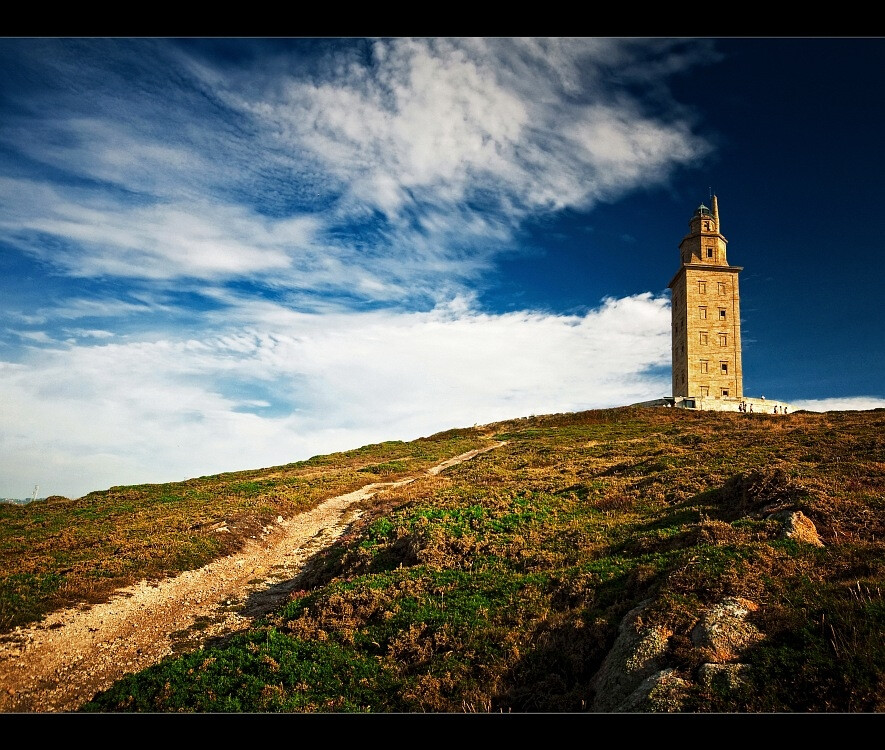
(23, 596)
(109, 539)
(500, 584)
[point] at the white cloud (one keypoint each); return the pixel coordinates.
(852, 403)
(275, 171)
(115, 152)
(92, 333)
(156, 241)
(457, 119)
(331, 185)
(89, 417)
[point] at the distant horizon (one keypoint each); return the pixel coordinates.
(222, 253)
(26, 500)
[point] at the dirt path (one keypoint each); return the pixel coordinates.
(62, 662)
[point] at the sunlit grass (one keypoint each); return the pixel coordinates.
(500, 584)
(112, 538)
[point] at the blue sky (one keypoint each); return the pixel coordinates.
(224, 254)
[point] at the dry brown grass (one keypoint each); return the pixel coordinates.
(499, 585)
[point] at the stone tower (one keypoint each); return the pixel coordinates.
(706, 323)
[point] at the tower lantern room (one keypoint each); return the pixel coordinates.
(704, 243)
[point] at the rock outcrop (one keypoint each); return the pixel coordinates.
(637, 654)
(636, 677)
(723, 633)
(798, 526)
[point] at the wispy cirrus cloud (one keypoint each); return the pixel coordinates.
(157, 241)
(419, 154)
(502, 123)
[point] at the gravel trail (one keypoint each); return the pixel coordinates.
(62, 662)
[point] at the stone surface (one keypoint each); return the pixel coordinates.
(662, 692)
(723, 631)
(638, 653)
(721, 676)
(798, 526)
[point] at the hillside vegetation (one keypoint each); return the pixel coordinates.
(631, 559)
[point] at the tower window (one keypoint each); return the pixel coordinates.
(721, 313)
(709, 252)
(723, 339)
(705, 390)
(702, 312)
(725, 392)
(702, 287)
(703, 338)
(704, 365)
(723, 366)
(721, 286)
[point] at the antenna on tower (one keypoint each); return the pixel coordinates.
(711, 192)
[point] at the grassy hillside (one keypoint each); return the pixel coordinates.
(59, 552)
(622, 559)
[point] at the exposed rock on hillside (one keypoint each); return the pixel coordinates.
(663, 692)
(723, 632)
(635, 676)
(798, 526)
(638, 653)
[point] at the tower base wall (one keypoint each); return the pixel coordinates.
(698, 403)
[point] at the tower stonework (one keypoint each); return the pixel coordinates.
(706, 323)
(705, 306)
